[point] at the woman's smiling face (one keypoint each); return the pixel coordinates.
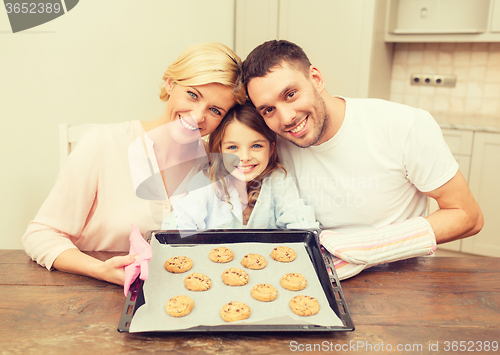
(249, 151)
(198, 109)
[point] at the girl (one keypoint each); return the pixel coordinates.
(94, 201)
(245, 186)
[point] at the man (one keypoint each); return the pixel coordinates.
(367, 166)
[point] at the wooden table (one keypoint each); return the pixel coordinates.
(418, 305)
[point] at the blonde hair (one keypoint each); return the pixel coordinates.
(207, 63)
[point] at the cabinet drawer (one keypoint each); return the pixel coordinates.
(460, 142)
(443, 16)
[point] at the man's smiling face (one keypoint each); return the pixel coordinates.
(290, 103)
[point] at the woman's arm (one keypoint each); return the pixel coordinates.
(52, 236)
(75, 262)
(63, 215)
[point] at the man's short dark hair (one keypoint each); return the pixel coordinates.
(270, 54)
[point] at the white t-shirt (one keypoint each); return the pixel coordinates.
(374, 171)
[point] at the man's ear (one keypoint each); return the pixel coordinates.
(317, 78)
(169, 85)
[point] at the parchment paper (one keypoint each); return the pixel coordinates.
(162, 285)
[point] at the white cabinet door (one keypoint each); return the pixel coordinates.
(459, 141)
(495, 16)
(256, 23)
(443, 21)
(438, 17)
(484, 182)
(343, 39)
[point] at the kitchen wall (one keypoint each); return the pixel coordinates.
(476, 65)
(102, 62)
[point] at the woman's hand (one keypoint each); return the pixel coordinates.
(76, 262)
(113, 270)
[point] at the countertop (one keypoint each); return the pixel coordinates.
(420, 305)
(477, 123)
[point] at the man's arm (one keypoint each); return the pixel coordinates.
(459, 215)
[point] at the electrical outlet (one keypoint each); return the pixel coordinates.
(433, 80)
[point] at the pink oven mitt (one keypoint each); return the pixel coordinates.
(141, 248)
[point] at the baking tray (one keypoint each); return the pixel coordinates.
(320, 259)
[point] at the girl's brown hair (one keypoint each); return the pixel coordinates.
(247, 115)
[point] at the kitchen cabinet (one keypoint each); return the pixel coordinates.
(483, 182)
(478, 155)
(495, 17)
(443, 21)
(343, 39)
(256, 21)
(438, 17)
(460, 143)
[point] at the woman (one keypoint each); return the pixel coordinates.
(94, 201)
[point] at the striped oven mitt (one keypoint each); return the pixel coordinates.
(354, 252)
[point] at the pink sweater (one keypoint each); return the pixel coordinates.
(93, 202)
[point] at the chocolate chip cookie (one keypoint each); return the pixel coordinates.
(179, 306)
(254, 261)
(178, 264)
(234, 311)
(221, 255)
(264, 292)
(283, 254)
(304, 305)
(197, 282)
(293, 281)
(235, 277)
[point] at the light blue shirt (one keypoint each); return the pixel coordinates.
(278, 206)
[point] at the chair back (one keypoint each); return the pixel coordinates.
(68, 137)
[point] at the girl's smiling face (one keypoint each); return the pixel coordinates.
(249, 151)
